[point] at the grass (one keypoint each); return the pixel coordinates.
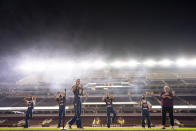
(96, 128)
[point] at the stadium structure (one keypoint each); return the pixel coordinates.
(127, 85)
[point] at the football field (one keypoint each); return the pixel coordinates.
(98, 128)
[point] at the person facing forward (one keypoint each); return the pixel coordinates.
(60, 98)
(78, 91)
(108, 100)
(30, 100)
(146, 107)
(167, 106)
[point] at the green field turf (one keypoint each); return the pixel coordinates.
(98, 128)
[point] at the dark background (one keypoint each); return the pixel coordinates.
(108, 29)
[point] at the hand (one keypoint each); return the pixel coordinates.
(169, 97)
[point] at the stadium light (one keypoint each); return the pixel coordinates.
(33, 66)
(67, 66)
(99, 64)
(118, 64)
(59, 66)
(192, 62)
(133, 63)
(85, 65)
(182, 62)
(149, 63)
(165, 62)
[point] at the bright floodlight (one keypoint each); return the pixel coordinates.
(182, 62)
(99, 64)
(59, 66)
(33, 66)
(192, 62)
(85, 65)
(150, 63)
(165, 63)
(118, 64)
(133, 63)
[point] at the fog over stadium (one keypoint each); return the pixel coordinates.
(93, 30)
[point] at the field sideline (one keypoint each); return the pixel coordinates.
(97, 128)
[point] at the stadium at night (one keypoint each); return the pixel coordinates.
(83, 65)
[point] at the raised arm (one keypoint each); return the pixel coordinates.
(74, 88)
(103, 98)
(149, 105)
(56, 95)
(25, 100)
(140, 102)
(82, 92)
(112, 97)
(34, 98)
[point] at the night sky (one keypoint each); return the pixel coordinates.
(104, 28)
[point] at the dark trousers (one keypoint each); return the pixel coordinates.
(170, 111)
(146, 115)
(77, 110)
(61, 114)
(110, 110)
(29, 114)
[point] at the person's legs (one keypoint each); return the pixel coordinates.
(31, 113)
(114, 114)
(108, 117)
(78, 120)
(74, 118)
(170, 110)
(143, 120)
(26, 119)
(60, 115)
(63, 117)
(148, 118)
(164, 110)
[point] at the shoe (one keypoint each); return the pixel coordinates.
(172, 127)
(25, 126)
(70, 126)
(163, 127)
(80, 127)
